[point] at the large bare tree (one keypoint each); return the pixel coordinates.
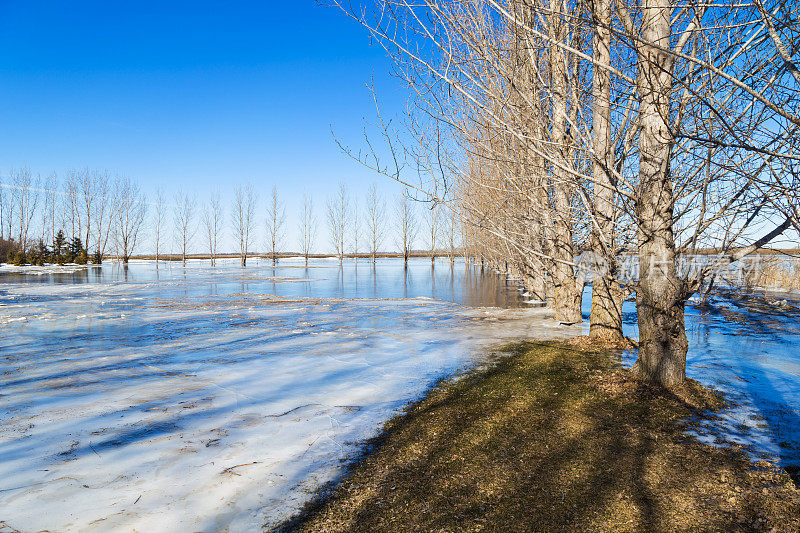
(664, 128)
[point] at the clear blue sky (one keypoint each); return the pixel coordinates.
(190, 94)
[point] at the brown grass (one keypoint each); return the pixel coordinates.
(777, 272)
(552, 438)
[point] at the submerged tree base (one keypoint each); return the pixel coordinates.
(553, 437)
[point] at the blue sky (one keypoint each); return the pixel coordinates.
(190, 94)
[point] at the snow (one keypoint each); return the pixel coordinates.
(32, 270)
(206, 399)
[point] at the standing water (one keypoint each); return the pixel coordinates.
(200, 398)
(748, 347)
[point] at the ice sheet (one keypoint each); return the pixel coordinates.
(205, 399)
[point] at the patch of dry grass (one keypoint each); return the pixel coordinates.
(776, 272)
(552, 438)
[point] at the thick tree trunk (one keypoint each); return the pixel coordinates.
(605, 323)
(566, 297)
(660, 293)
(607, 295)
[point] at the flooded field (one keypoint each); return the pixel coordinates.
(748, 347)
(202, 398)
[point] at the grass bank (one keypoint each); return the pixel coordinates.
(552, 438)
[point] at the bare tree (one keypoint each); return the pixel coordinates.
(433, 219)
(244, 208)
(129, 216)
(407, 227)
(212, 221)
(50, 208)
(308, 226)
(276, 220)
(607, 294)
(105, 207)
(87, 196)
(10, 206)
(453, 227)
(338, 216)
(71, 210)
(4, 215)
(676, 135)
(184, 221)
(355, 219)
(376, 225)
(160, 213)
(26, 191)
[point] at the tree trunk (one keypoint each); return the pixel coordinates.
(660, 295)
(566, 297)
(607, 295)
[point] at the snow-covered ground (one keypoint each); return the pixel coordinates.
(33, 270)
(205, 399)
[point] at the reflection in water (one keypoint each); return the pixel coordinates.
(125, 381)
(751, 352)
(150, 384)
(455, 283)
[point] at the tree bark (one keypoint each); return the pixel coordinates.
(660, 295)
(566, 297)
(607, 295)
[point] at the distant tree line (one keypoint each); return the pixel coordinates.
(74, 220)
(89, 214)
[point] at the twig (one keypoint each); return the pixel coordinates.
(229, 470)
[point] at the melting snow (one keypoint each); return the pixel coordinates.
(203, 400)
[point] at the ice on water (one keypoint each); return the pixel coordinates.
(199, 399)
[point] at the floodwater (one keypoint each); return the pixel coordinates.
(203, 398)
(748, 347)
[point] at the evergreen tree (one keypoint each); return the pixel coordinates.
(59, 247)
(41, 254)
(74, 250)
(18, 258)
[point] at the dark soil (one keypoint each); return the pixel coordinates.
(553, 437)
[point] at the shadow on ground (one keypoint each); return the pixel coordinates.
(552, 438)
